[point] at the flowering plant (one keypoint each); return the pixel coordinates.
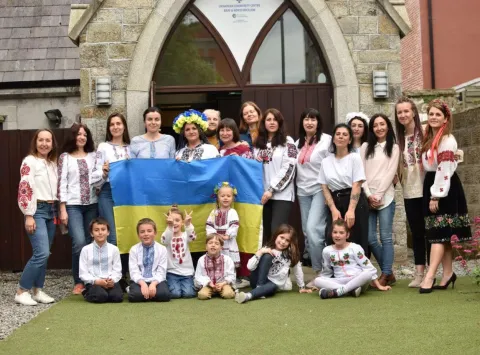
(470, 250)
(224, 184)
(190, 116)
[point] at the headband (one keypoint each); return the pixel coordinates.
(224, 184)
(351, 115)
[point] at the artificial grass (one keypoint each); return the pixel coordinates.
(400, 321)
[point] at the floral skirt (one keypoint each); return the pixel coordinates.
(452, 216)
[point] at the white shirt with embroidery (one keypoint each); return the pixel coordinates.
(162, 148)
(279, 271)
(225, 223)
(347, 262)
(226, 274)
(413, 172)
(179, 257)
(38, 181)
(110, 152)
(159, 267)
(100, 263)
(74, 176)
(200, 152)
(444, 165)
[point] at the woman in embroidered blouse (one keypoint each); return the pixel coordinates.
(37, 197)
(341, 177)
(380, 160)
(153, 144)
(230, 137)
(278, 154)
(192, 143)
(444, 203)
(78, 199)
(313, 147)
(358, 122)
(115, 148)
(250, 118)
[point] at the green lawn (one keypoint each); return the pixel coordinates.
(397, 322)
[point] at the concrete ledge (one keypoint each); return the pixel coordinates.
(395, 16)
(79, 22)
(30, 93)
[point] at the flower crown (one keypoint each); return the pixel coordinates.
(351, 115)
(443, 104)
(190, 116)
(224, 184)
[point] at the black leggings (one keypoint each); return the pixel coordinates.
(135, 293)
(275, 213)
(414, 211)
(261, 285)
(98, 294)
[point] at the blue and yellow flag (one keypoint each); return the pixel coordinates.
(144, 188)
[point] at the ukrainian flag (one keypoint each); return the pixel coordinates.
(144, 188)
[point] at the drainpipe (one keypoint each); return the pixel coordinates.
(430, 40)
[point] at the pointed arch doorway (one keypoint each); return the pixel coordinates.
(282, 67)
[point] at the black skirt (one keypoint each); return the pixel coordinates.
(452, 216)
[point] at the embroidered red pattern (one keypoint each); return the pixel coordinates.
(292, 150)
(25, 193)
(178, 249)
(25, 170)
(214, 268)
(447, 155)
(60, 169)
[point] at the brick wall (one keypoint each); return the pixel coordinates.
(411, 53)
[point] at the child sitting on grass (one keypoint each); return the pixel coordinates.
(348, 264)
(148, 266)
(215, 272)
(180, 265)
(271, 265)
(100, 266)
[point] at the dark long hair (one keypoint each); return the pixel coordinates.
(401, 128)
(280, 137)
(52, 156)
(108, 134)
(292, 252)
(70, 143)
(231, 124)
(151, 109)
(364, 136)
(310, 113)
(182, 141)
(333, 147)
(372, 138)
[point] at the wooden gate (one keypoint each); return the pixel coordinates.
(15, 248)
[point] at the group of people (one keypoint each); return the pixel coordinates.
(345, 186)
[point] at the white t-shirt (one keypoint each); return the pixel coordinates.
(339, 174)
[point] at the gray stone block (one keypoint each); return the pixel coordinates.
(3, 54)
(363, 8)
(93, 55)
(5, 32)
(131, 32)
(368, 24)
(21, 33)
(349, 25)
(72, 53)
(36, 53)
(13, 76)
(56, 53)
(71, 74)
(104, 32)
(51, 21)
(360, 42)
(45, 64)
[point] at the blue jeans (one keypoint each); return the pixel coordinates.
(33, 275)
(79, 218)
(105, 210)
(261, 285)
(180, 286)
(383, 252)
(314, 220)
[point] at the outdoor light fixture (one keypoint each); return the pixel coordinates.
(380, 85)
(103, 91)
(54, 116)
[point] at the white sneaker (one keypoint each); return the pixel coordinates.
(25, 298)
(42, 297)
(241, 284)
(241, 297)
(357, 292)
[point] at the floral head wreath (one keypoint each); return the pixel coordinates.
(190, 116)
(351, 115)
(224, 184)
(442, 104)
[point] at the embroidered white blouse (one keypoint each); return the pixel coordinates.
(110, 152)
(179, 257)
(200, 152)
(225, 223)
(444, 165)
(100, 263)
(279, 271)
(159, 268)
(279, 166)
(74, 175)
(38, 181)
(162, 148)
(202, 279)
(413, 173)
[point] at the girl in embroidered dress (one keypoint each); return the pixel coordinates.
(358, 122)
(78, 199)
(346, 269)
(230, 137)
(37, 198)
(192, 143)
(380, 160)
(180, 265)
(250, 118)
(153, 144)
(271, 265)
(278, 154)
(444, 203)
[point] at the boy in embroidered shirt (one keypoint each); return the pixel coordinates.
(215, 272)
(180, 265)
(100, 266)
(148, 266)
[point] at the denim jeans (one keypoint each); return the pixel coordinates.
(105, 210)
(383, 252)
(261, 285)
(314, 220)
(33, 275)
(79, 218)
(180, 286)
